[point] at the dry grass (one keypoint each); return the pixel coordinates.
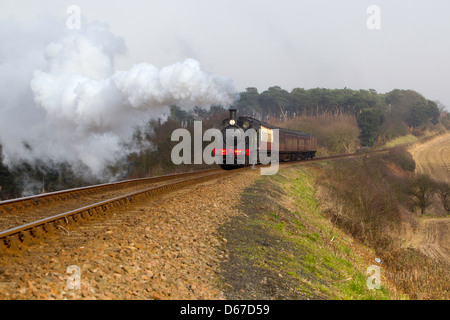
(417, 275)
(366, 200)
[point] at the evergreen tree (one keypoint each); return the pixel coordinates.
(370, 121)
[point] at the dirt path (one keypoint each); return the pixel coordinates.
(432, 235)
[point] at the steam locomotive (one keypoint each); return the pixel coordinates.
(291, 145)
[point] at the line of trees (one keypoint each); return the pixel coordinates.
(380, 115)
(277, 102)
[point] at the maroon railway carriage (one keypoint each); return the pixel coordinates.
(293, 145)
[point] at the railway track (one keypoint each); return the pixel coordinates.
(28, 220)
(45, 222)
(20, 211)
(32, 202)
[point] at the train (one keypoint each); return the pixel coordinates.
(292, 145)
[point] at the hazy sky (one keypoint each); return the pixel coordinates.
(289, 43)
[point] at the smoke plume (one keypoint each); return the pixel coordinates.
(61, 99)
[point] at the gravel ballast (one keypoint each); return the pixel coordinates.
(164, 248)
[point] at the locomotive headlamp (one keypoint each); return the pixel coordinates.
(232, 122)
(245, 125)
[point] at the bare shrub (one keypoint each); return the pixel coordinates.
(443, 193)
(401, 157)
(422, 189)
(368, 208)
(364, 199)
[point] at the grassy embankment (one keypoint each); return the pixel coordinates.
(285, 247)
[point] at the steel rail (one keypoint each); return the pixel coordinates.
(17, 238)
(9, 206)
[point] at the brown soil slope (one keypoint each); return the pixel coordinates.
(433, 157)
(432, 235)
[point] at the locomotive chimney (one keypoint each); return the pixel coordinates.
(232, 114)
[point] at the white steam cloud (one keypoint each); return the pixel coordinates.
(61, 99)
